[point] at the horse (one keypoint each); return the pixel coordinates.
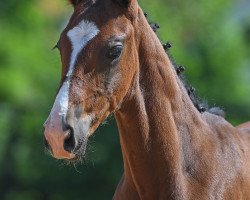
(114, 63)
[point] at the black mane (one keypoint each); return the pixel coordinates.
(200, 105)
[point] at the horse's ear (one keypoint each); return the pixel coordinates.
(74, 2)
(124, 3)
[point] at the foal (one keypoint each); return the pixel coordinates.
(113, 62)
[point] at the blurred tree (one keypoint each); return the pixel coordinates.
(210, 37)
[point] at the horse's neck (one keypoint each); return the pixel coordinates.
(153, 120)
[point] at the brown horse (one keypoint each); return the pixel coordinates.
(113, 62)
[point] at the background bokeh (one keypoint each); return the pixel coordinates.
(210, 38)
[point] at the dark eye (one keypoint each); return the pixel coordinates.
(114, 52)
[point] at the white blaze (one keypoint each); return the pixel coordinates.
(63, 98)
(79, 37)
(60, 106)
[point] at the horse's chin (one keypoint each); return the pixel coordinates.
(80, 151)
(78, 158)
(75, 160)
(78, 154)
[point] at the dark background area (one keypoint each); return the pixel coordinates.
(210, 38)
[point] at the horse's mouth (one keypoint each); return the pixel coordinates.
(75, 159)
(74, 156)
(78, 156)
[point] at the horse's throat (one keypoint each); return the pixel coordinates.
(150, 145)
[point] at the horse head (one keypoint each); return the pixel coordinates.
(99, 61)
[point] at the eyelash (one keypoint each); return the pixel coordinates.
(56, 46)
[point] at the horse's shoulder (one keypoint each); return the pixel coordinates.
(222, 127)
(245, 130)
(244, 126)
(216, 121)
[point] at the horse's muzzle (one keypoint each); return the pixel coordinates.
(59, 139)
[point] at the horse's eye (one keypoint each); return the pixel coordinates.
(115, 52)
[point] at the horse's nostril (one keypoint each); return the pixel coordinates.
(69, 142)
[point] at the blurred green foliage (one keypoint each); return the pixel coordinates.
(211, 38)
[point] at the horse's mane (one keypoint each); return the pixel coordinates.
(202, 106)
